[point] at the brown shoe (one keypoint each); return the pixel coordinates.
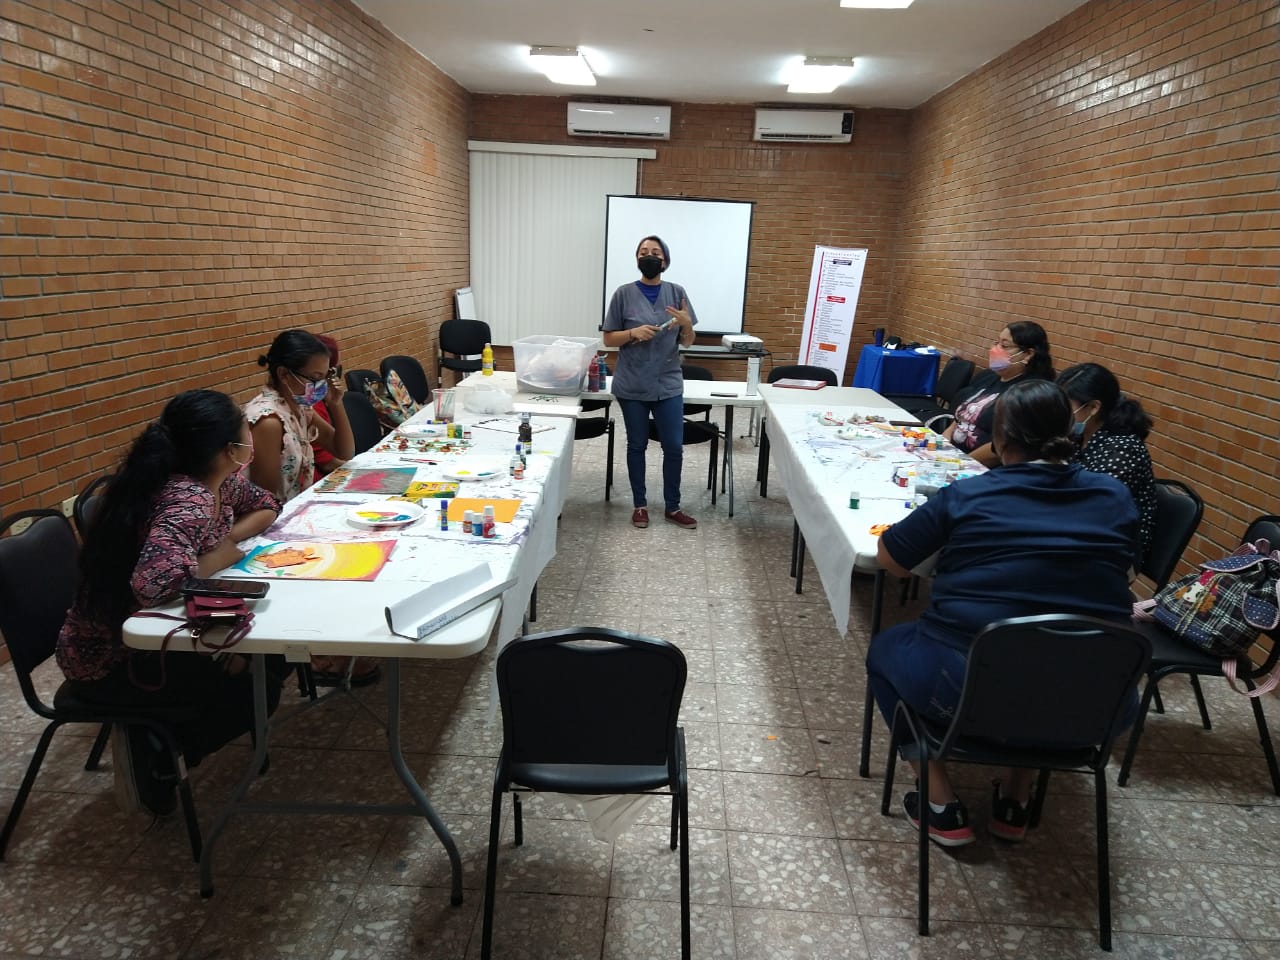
(640, 517)
(681, 519)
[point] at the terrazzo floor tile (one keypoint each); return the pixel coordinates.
(1158, 897)
(1068, 823)
(1014, 886)
(788, 873)
(792, 935)
(702, 745)
(557, 856)
(896, 938)
(421, 925)
(767, 749)
(410, 853)
(1045, 943)
(699, 702)
(645, 929)
(333, 849)
(706, 802)
(687, 634)
(39, 900)
(766, 803)
(855, 809)
(883, 878)
(254, 918)
(1248, 897)
(646, 868)
(1167, 776)
(1217, 832)
(749, 703)
(73, 829)
(833, 708)
(61, 771)
(528, 926)
(761, 666)
(1238, 779)
(470, 733)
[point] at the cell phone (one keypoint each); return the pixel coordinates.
(226, 587)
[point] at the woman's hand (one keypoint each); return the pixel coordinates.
(644, 332)
(681, 315)
(223, 555)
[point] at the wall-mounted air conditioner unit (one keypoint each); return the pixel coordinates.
(648, 122)
(805, 126)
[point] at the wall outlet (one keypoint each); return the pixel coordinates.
(69, 507)
(21, 525)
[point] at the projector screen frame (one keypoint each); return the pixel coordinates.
(686, 241)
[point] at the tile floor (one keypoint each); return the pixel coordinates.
(791, 857)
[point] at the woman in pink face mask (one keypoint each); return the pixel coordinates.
(1021, 352)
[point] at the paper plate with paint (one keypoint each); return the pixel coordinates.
(385, 513)
(423, 429)
(475, 468)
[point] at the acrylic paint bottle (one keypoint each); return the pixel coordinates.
(490, 523)
(468, 520)
(486, 360)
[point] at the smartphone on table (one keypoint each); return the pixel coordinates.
(225, 587)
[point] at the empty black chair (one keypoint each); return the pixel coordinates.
(411, 375)
(955, 377)
(87, 503)
(1170, 655)
(590, 711)
(358, 380)
(795, 371)
(690, 372)
(1005, 718)
(459, 347)
(698, 431)
(365, 427)
(588, 428)
(38, 581)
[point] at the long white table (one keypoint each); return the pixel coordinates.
(301, 618)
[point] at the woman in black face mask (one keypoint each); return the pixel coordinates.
(647, 321)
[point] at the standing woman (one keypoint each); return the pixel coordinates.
(1112, 429)
(175, 509)
(648, 321)
(283, 422)
(1020, 353)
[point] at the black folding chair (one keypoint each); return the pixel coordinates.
(1032, 684)
(365, 426)
(411, 375)
(459, 347)
(38, 581)
(590, 710)
(358, 380)
(86, 504)
(955, 377)
(795, 371)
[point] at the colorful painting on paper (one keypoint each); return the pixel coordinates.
(377, 481)
(317, 561)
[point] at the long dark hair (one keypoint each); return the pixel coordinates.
(291, 349)
(1035, 417)
(1029, 335)
(194, 428)
(1086, 382)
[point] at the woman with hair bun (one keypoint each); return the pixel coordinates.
(1040, 535)
(175, 509)
(1111, 430)
(283, 422)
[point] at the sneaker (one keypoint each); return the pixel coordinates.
(640, 517)
(950, 828)
(681, 519)
(1009, 818)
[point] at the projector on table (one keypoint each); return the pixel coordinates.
(742, 343)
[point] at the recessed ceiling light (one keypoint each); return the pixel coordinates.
(877, 4)
(563, 65)
(818, 74)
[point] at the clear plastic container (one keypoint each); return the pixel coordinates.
(547, 364)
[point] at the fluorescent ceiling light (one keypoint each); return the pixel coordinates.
(819, 74)
(877, 4)
(563, 65)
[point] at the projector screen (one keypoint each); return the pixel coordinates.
(709, 240)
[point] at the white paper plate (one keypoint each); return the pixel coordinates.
(385, 513)
(473, 468)
(422, 429)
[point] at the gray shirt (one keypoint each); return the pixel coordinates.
(649, 370)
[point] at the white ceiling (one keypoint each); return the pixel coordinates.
(716, 51)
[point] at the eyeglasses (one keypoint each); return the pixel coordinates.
(305, 378)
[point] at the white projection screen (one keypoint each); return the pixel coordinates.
(709, 240)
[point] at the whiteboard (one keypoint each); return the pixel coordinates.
(465, 301)
(710, 244)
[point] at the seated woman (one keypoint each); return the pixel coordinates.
(1112, 431)
(1037, 536)
(1021, 353)
(175, 509)
(326, 462)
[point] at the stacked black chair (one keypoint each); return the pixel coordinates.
(411, 375)
(460, 345)
(358, 380)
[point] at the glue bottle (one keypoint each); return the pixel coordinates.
(444, 514)
(486, 360)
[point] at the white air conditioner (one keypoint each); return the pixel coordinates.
(648, 122)
(805, 126)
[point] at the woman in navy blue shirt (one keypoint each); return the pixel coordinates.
(1038, 535)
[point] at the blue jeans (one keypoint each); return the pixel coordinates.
(669, 416)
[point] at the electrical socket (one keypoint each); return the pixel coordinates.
(69, 507)
(21, 525)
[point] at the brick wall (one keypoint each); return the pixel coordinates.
(184, 178)
(1115, 179)
(834, 194)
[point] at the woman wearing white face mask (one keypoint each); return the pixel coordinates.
(284, 425)
(1021, 352)
(1111, 430)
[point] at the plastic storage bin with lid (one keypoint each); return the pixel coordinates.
(553, 364)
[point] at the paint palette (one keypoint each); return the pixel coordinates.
(385, 513)
(475, 468)
(423, 429)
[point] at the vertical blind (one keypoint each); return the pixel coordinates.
(537, 237)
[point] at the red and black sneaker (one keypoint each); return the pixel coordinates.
(950, 828)
(1009, 818)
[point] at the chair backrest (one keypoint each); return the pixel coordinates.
(464, 338)
(802, 371)
(955, 377)
(87, 502)
(1178, 513)
(38, 580)
(411, 375)
(590, 695)
(358, 380)
(365, 428)
(1052, 680)
(690, 372)
(1266, 527)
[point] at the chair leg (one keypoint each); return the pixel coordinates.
(795, 542)
(491, 874)
(533, 603)
(684, 876)
(922, 914)
(1159, 702)
(890, 768)
(1264, 738)
(800, 563)
(868, 715)
(711, 468)
(1037, 801)
(1204, 710)
(28, 781)
(189, 812)
(1135, 734)
(608, 464)
(99, 744)
(1104, 861)
(519, 818)
(762, 458)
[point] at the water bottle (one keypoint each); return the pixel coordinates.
(593, 376)
(753, 376)
(604, 374)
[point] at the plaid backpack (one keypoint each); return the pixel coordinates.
(1223, 608)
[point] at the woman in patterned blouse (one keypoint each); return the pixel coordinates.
(1112, 430)
(174, 510)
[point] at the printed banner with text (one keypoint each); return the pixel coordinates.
(833, 300)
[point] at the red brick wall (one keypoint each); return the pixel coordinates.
(186, 178)
(834, 194)
(1115, 179)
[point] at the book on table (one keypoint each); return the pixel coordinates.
(792, 383)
